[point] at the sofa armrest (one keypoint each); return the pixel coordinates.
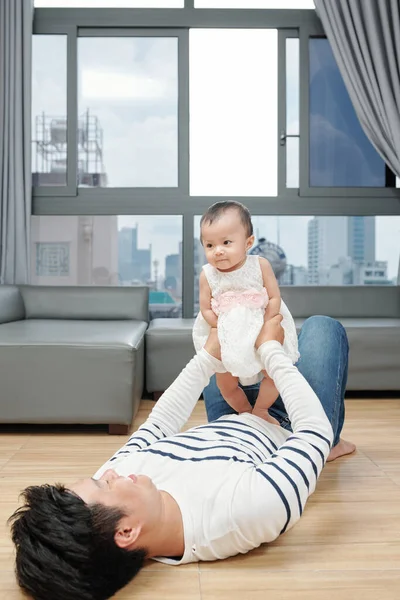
(11, 304)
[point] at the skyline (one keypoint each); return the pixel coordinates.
(163, 233)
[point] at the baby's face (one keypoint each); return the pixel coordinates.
(225, 242)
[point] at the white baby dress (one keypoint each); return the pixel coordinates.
(239, 299)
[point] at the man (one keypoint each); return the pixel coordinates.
(211, 492)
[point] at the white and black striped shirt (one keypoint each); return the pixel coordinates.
(239, 481)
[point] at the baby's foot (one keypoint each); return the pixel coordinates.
(264, 414)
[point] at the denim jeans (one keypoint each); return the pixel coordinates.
(324, 351)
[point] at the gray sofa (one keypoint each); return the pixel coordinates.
(72, 354)
(372, 325)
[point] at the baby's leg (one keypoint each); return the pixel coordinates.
(266, 397)
(232, 393)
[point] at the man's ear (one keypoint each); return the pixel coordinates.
(126, 536)
(249, 242)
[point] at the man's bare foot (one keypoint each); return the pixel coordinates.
(264, 414)
(341, 449)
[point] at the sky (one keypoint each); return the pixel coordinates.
(130, 85)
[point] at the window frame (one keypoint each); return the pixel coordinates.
(306, 200)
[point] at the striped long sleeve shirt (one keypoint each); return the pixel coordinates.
(239, 481)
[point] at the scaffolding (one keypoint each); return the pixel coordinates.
(51, 151)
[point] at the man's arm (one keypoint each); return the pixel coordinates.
(304, 409)
(175, 406)
(280, 486)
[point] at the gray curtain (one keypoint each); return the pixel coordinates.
(15, 138)
(365, 40)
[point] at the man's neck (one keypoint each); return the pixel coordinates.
(168, 539)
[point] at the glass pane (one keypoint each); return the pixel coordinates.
(233, 112)
(292, 86)
(110, 3)
(128, 105)
(111, 250)
(323, 250)
(49, 110)
(292, 162)
(254, 4)
(340, 152)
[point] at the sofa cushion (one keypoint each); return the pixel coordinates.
(11, 304)
(71, 371)
(48, 332)
(86, 302)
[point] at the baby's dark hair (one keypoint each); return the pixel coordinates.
(218, 209)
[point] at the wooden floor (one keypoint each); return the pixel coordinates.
(346, 546)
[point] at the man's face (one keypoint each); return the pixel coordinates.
(136, 496)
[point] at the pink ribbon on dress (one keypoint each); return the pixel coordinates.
(250, 298)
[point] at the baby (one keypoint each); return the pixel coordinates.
(237, 293)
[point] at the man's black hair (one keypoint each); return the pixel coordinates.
(66, 548)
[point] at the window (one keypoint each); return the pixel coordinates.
(52, 259)
(323, 250)
(233, 112)
(49, 110)
(128, 104)
(138, 143)
(112, 250)
(340, 152)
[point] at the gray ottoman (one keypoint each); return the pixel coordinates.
(169, 347)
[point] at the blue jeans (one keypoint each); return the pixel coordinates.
(324, 351)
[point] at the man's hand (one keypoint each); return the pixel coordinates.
(212, 345)
(271, 331)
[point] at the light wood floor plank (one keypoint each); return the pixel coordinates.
(314, 557)
(259, 585)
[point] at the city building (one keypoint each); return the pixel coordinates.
(342, 273)
(134, 264)
(294, 276)
(74, 250)
(327, 244)
(173, 273)
(339, 250)
(361, 239)
(373, 273)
